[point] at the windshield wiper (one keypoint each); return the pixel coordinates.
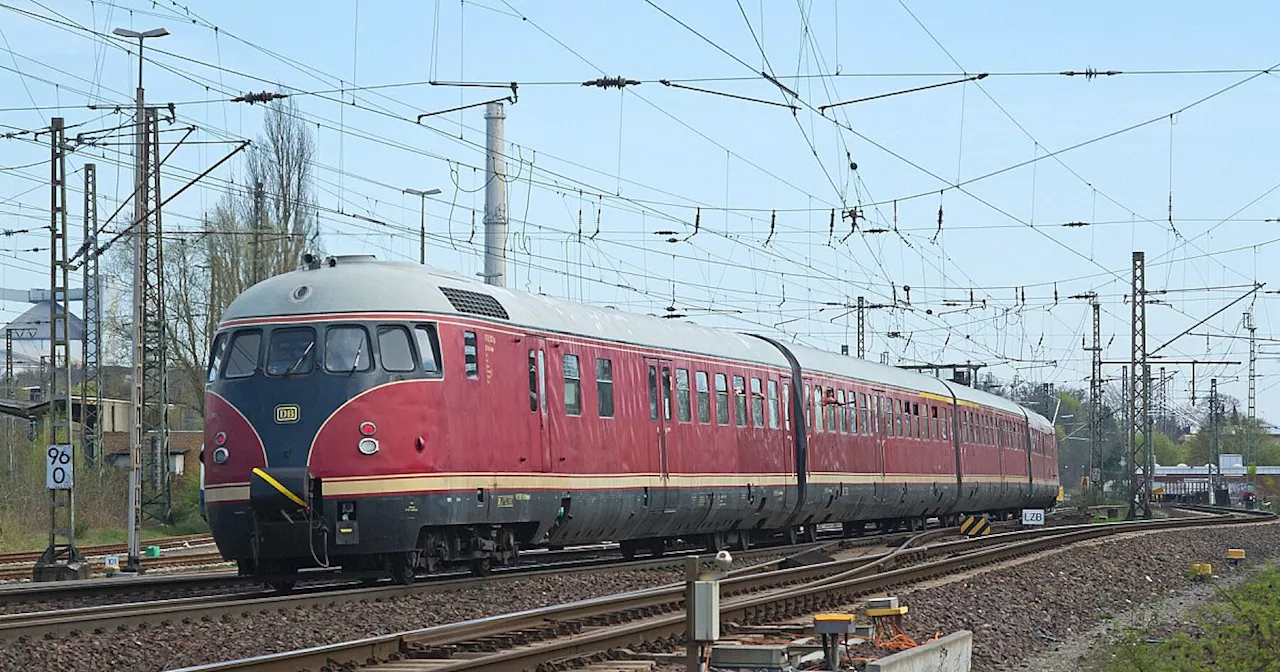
(289, 371)
(356, 364)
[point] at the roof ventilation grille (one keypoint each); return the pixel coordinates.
(465, 301)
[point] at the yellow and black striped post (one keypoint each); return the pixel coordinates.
(975, 526)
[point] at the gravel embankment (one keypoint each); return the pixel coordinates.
(1016, 612)
(163, 647)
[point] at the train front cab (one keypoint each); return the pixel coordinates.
(291, 405)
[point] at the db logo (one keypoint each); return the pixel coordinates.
(287, 413)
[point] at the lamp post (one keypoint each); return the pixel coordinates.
(140, 212)
(422, 220)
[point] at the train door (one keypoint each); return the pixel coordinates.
(881, 423)
(538, 429)
(659, 381)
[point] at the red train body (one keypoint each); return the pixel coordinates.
(393, 418)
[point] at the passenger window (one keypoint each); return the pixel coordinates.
(428, 348)
(243, 360)
(866, 413)
(757, 403)
(346, 350)
(604, 387)
(704, 396)
(946, 422)
(808, 410)
(572, 386)
(773, 404)
(216, 354)
(819, 418)
(915, 421)
(722, 399)
(682, 395)
(393, 349)
(740, 401)
(470, 356)
(533, 380)
(290, 351)
(666, 393)
(653, 393)
(786, 406)
(840, 410)
(853, 412)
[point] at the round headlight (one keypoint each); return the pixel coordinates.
(220, 455)
(368, 446)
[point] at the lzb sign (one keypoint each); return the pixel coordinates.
(58, 468)
(1033, 516)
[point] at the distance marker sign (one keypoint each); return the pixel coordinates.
(58, 467)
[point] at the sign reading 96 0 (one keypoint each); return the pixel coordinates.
(58, 468)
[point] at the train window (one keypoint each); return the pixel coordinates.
(740, 401)
(946, 423)
(653, 393)
(428, 348)
(757, 403)
(934, 430)
(840, 410)
(773, 404)
(851, 412)
(786, 406)
(915, 421)
(682, 395)
(865, 408)
(216, 354)
(533, 380)
(470, 355)
(704, 396)
(666, 393)
(394, 350)
(604, 387)
(572, 386)
(819, 418)
(243, 360)
(291, 351)
(808, 410)
(722, 399)
(346, 350)
(829, 405)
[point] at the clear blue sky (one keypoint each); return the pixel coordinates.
(648, 157)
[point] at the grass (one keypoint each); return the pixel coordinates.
(1237, 632)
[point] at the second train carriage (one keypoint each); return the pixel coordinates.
(392, 417)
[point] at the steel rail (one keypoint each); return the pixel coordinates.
(525, 640)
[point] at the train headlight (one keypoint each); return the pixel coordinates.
(368, 428)
(220, 455)
(367, 446)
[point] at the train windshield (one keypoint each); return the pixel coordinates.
(346, 350)
(292, 351)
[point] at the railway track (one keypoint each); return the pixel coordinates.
(23, 571)
(323, 591)
(101, 550)
(587, 629)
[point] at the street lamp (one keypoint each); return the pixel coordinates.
(422, 220)
(140, 213)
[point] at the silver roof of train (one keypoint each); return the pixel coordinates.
(363, 284)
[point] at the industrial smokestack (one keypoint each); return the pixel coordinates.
(495, 199)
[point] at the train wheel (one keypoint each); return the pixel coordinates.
(793, 536)
(658, 548)
(628, 549)
(283, 585)
(402, 571)
(809, 534)
(740, 541)
(481, 566)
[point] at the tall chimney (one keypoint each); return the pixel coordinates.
(495, 199)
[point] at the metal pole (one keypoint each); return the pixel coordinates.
(495, 199)
(1141, 455)
(1095, 407)
(862, 328)
(422, 229)
(10, 392)
(1214, 438)
(1250, 431)
(91, 341)
(134, 560)
(256, 258)
(693, 650)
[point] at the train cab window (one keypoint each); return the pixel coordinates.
(471, 356)
(757, 403)
(428, 348)
(216, 355)
(773, 404)
(704, 396)
(722, 399)
(346, 350)
(572, 386)
(740, 401)
(291, 351)
(394, 350)
(682, 395)
(653, 393)
(243, 360)
(604, 387)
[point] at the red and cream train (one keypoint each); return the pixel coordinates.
(394, 418)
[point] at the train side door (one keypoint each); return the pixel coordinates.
(658, 372)
(881, 423)
(538, 428)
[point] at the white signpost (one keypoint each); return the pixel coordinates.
(58, 467)
(1033, 516)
